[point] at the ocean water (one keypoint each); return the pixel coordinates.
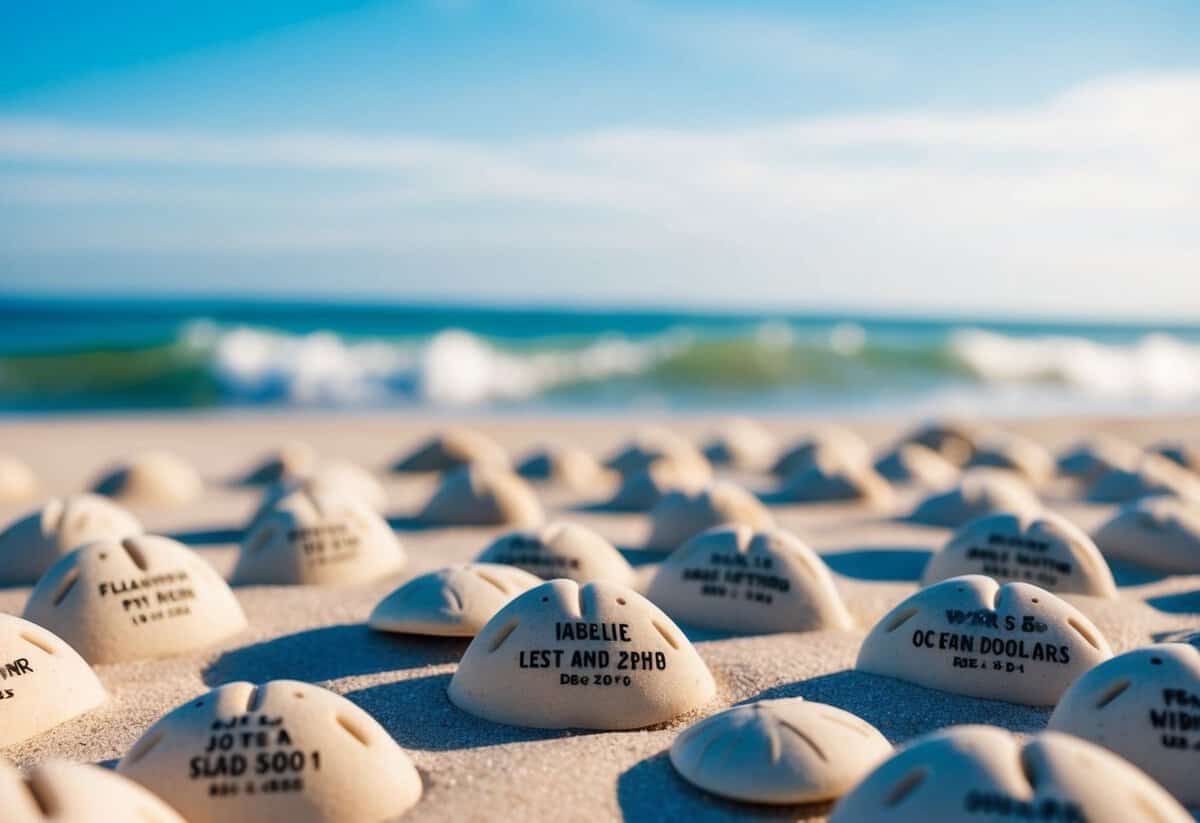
(76, 355)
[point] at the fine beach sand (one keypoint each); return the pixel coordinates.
(473, 769)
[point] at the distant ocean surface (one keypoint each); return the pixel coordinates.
(119, 354)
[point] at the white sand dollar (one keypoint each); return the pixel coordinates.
(640, 490)
(340, 477)
(972, 636)
(954, 440)
(1009, 451)
(17, 481)
(284, 750)
(34, 543)
(651, 444)
(743, 444)
(456, 601)
(598, 656)
(77, 793)
(1090, 459)
(293, 460)
(835, 476)
(1158, 532)
(680, 516)
(738, 579)
(318, 539)
(836, 443)
(779, 751)
(917, 464)
(986, 773)
(1044, 548)
(452, 449)
(561, 549)
(979, 492)
(567, 466)
(483, 495)
(1153, 475)
(43, 681)
(1145, 706)
(157, 478)
(138, 598)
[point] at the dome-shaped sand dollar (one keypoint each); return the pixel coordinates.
(1015, 453)
(157, 478)
(561, 549)
(339, 477)
(44, 682)
(482, 495)
(77, 793)
(743, 444)
(914, 463)
(833, 442)
(832, 476)
(456, 601)
(641, 489)
(598, 656)
(1145, 706)
(971, 636)
(17, 480)
(567, 466)
(284, 750)
(453, 449)
(138, 598)
(317, 539)
(291, 461)
(1045, 549)
(742, 580)
(1096, 456)
(779, 751)
(31, 545)
(1153, 475)
(979, 492)
(1158, 532)
(680, 516)
(954, 440)
(987, 774)
(651, 444)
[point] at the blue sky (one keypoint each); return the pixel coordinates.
(1038, 158)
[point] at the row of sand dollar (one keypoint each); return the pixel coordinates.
(586, 650)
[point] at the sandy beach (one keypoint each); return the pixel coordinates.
(473, 769)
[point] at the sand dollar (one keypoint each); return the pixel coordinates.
(284, 750)
(339, 477)
(43, 681)
(972, 636)
(738, 579)
(567, 466)
(921, 465)
(979, 492)
(1153, 475)
(833, 476)
(834, 443)
(456, 601)
(1015, 453)
(642, 489)
(157, 478)
(954, 440)
(482, 495)
(561, 549)
(34, 543)
(1145, 706)
(989, 774)
(293, 460)
(743, 444)
(17, 481)
(1096, 456)
(1158, 532)
(138, 598)
(681, 515)
(318, 539)
(651, 444)
(77, 793)
(1044, 548)
(779, 751)
(453, 449)
(598, 656)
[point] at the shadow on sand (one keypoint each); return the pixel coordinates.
(884, 563)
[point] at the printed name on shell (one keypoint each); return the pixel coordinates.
(34, 543)
(456, 601)
(561, 549)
